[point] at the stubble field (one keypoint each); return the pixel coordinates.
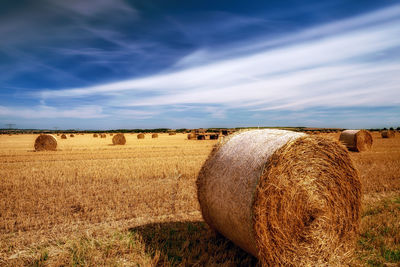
(92, 203)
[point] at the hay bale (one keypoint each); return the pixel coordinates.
(140, 136)
(45, 142)
(388, 134)
(191, 136)
(111, 134)
(71, 135)
(285, 197)
(95, 135)
(63, 136)
(172, 133)
(119, 139)
(103, 135)
(214, 136)
(356, 140)
(154, 135)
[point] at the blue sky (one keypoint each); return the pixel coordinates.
(188, 64)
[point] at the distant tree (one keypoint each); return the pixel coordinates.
(385, 128)
(398, 128)
(391, 128)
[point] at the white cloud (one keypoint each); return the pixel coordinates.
(47, 112)
(347, 67)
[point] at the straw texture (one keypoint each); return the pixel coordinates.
(356, 140)
(285, 197)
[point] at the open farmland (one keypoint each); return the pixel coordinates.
(92, 203)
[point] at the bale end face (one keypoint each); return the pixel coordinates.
(119, 139)
(45, 142)
(287, 198)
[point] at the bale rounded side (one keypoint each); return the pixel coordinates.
(63, 136)
(140, 136)
(103, 135)
(285, 197)
(154, 135)
(95, 135)
(356, 140)
(71, 135)
(45, 142)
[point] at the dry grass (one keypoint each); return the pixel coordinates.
(91, 203)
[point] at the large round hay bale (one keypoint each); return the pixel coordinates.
(46, 142)
(356, 140)
(388, 134)
(63, 136)
(140, 136)
(95, 135)
(287, 198)
(154, 135)
(103, 135)
(119, 139)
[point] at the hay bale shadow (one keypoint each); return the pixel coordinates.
(190, 243)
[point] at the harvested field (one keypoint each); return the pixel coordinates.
(92, 203)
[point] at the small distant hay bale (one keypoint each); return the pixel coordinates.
(287, 198)
(119, 139)
(95, 135)
(103, 135)
(356, 140)
(172, 133)
(140, 136)
(154, 135)
(191, 136)
(214, 136)
(63, 136)
(71, 135)
(45, 142)
(111, 134)
(388, 134)
(58, 134)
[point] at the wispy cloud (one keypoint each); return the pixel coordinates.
(47, 112)
(339, 68)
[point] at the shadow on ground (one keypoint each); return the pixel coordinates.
(190, 243)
